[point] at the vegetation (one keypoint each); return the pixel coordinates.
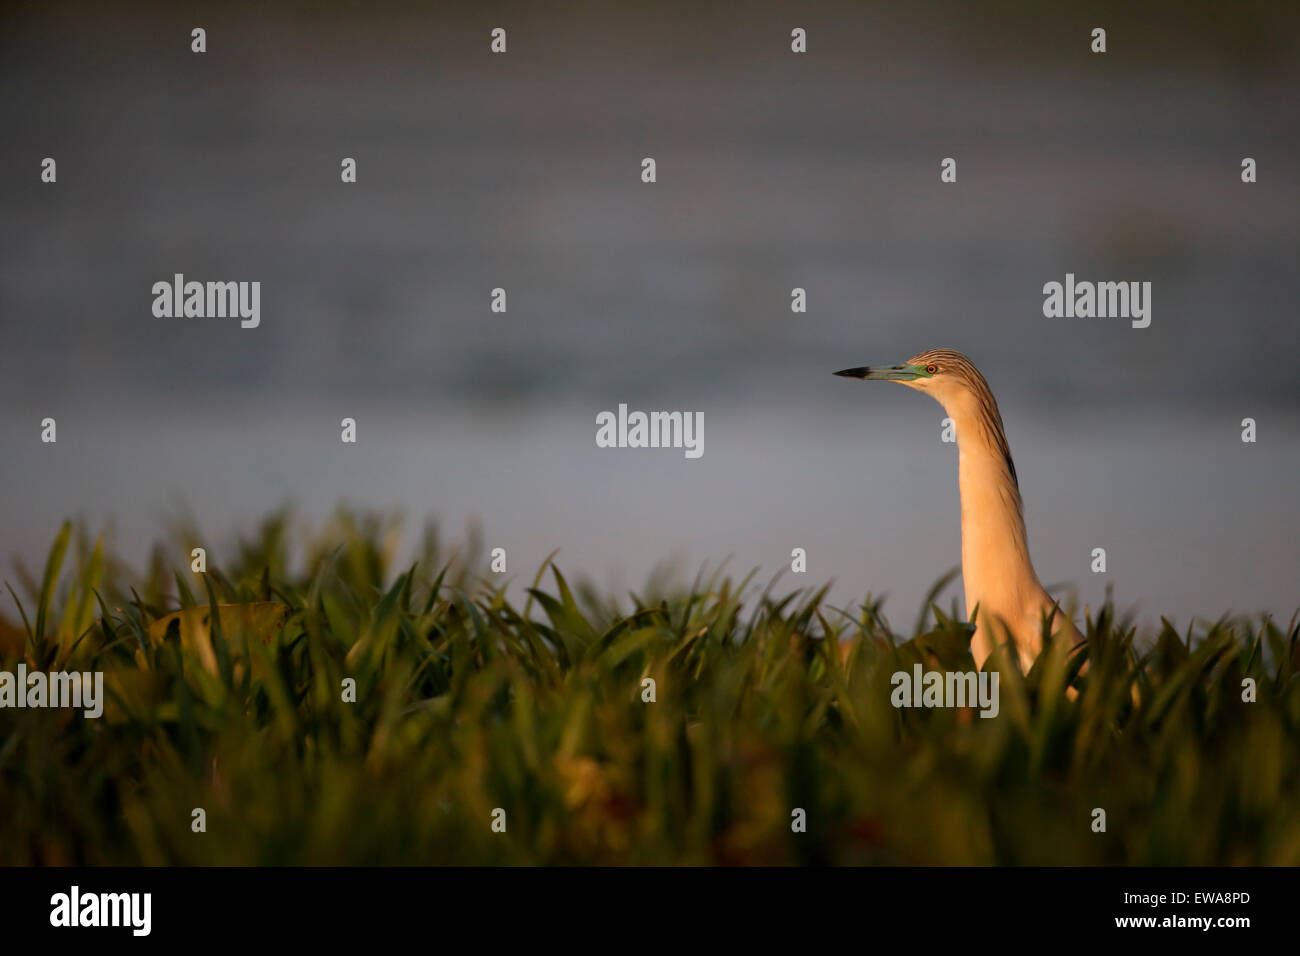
(764, 702)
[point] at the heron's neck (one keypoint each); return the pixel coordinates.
(996, 570)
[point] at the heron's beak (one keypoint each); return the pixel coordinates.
(882, 373)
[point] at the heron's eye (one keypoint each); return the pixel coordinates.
(932, 369)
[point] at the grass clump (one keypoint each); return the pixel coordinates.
(766, 702)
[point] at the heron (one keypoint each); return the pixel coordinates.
(1003, 594)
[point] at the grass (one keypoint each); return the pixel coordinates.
(766, 701)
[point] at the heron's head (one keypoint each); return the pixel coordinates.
(942, 373)
(952, 380)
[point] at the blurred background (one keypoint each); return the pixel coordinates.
(775, 170)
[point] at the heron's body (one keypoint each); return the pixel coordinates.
(1003, 593)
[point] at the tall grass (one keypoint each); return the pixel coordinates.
(766, 701)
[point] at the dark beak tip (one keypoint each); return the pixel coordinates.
(859, 372)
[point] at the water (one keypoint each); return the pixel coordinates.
(774, 172)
